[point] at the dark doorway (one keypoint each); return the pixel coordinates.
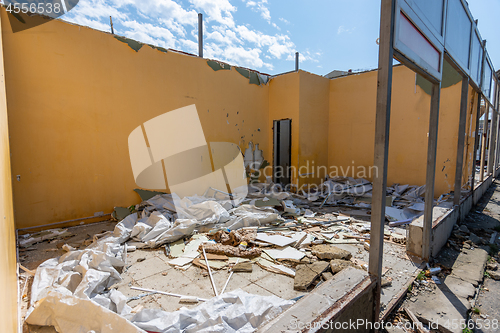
(282, 131)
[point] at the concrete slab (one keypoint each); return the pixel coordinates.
(442, 308)
(148, 267)
(459, 287)
(488, 305)
(279, 285)
(469, 266)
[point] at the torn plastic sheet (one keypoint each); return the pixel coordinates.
(200, 209)
(251, 216)
(235, 311)
(70, 314)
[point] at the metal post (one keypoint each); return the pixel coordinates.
(484, 141)
(431, 170)
(382, 125)
(296, 61)
(493, 142)
(476, 141)
(200, 35)
(480, 95)
(111, 23)
(495, 164)
(461, 141)
(497, 126)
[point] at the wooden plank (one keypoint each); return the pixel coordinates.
(461, 141)
(382, 126)
(431, 170)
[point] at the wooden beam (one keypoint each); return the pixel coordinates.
(431, 170)
(461, 141)
(382, 126)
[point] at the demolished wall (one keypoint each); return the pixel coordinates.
(75, 94)
(86, 90)
(352, 128)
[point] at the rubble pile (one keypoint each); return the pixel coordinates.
(295, 235)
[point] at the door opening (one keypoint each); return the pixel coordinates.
(282, 131)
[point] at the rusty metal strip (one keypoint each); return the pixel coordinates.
(334, 311)
(399, 296)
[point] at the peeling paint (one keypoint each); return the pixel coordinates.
(159, 48)
(134, 45)
(243, 72)
(254, 78)
(217, 66)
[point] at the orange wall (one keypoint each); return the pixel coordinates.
(303, 98)
(73, 105)
(313, 132)
(74, 96)
(284, 104)
(352, 128)
(8, 275)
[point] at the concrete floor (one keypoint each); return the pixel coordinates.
(150, 269)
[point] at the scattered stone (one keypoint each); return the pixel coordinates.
(330, 252)
(337, 265)
(495, 275)
(243, 267)
(475, 239)
(327, 276)
(141, 259)
(306, 274)
(492, 266)
(464, 228)
(386, 282)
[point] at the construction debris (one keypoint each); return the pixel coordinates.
(306, 274)
(330, 252)
(283, 233)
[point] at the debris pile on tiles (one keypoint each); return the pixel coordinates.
(284, 233)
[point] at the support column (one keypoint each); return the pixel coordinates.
(484, 141)
(461, 141)
(431, 171)
(476, 141)
(382, 125)
(493, 142)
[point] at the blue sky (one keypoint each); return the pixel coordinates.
(265, 34)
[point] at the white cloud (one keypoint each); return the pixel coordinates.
(343, 29)
(216, 10)
(148, 33)
(260, 7)
(284, 21)
(171, 24)
(306, 56)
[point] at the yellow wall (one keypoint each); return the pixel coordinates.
(74, 96)
(8, 276)
(303, 98)
(352, 129)
(313, 131)
(284, 104)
